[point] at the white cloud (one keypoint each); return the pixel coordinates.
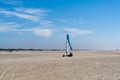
(12, 2)
(46, 23)
(42, 32)
(25, 13)
(74, 31)
(25, 16)
(72, 21)
(9, 26)
(31, 11)
(13, 27)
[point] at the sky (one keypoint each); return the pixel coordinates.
(43, 24)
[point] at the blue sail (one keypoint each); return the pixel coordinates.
(68, 47)
(68, 41)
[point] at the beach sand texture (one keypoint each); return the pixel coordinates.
(50, 65)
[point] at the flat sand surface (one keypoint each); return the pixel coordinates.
(50, 65)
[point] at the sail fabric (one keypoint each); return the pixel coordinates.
(68, 45)
(68, 40)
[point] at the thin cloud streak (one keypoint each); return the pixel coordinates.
(75, 31)
(73, 21)
(42, 32)
(4, 27)
(25, 14)
(46, 23)
(13, 27)
(31, 11)
(12, 2)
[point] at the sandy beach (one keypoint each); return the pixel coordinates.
(50, 65)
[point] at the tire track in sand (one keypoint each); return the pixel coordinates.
(3, 73)
(13, 73)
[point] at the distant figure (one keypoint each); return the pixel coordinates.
(68, 47)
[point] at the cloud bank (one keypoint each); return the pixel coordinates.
(36, 16)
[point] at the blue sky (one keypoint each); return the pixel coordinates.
(92, 24)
